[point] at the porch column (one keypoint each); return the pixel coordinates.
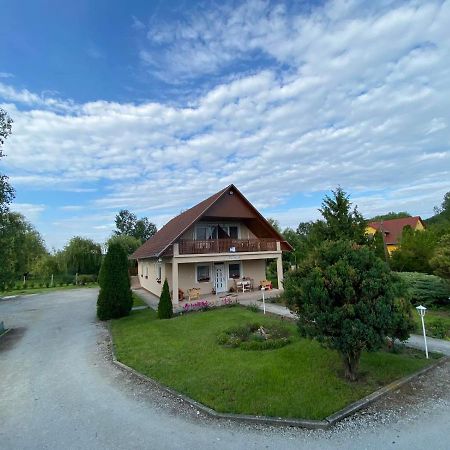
(174, 281)
(280, 272)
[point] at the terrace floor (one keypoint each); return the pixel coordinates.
(245, 298)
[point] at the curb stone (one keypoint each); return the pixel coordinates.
(280, 421)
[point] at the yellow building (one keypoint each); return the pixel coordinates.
(392, 229)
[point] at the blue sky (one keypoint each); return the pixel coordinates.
(152, 106)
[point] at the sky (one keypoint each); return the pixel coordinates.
(153, 106)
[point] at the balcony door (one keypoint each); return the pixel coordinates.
(220, 280)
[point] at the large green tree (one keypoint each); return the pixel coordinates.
(82, 256)
(115, 298)
(6, 191)
(21, 246)
(440, 261)
(389, 216)
(128, 224)
(341, 221)
(345, 297)
(415, 251)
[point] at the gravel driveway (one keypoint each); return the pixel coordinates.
(59, 390)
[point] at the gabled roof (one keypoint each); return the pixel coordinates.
(393, 228)
(174, 229)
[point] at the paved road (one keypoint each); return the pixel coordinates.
(59, 390)
(434, 345)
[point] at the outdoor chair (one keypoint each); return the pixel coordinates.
(193, 293)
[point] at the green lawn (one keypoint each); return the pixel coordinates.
(42, 290)
(437, 323)
(300, 380)
(137, 301)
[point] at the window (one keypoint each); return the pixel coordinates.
(204, 232)
(233, 231)
(234, 270)
(159, 272)
(203, 274)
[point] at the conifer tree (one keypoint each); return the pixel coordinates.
(115, 298)
(165, 309)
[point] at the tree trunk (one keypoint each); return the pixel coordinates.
(351, 364)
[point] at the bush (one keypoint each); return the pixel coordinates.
(428, 290)
(165, 308)
(86, 279)
(115, 298)
(438, 329)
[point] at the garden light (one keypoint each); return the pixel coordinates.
(264, 301)
(422, 310)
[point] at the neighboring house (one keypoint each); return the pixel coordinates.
(209, 246)
(393, 229)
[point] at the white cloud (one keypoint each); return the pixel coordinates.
(354, 94)
(31, 211)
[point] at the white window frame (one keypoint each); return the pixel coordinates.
(240, 269)
(196, 272)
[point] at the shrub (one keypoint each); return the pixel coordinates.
(428, 290)
(250, 337)
(438, 329)
(86, 279)
(115, 298)
(165, 308)
(253, 307)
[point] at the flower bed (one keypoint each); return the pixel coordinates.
(253, 336)
(204, 305)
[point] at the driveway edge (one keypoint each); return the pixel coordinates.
(264, 420)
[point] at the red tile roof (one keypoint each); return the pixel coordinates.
(173, 229)
(393, 228)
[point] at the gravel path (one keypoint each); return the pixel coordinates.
(59, 389)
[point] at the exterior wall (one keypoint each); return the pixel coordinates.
(148, 274)
(254, 268)
(187, 276)
(391, 248)
(187, 279)
(419, 226)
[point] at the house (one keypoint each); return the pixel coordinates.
(393, 229)
(210, 246)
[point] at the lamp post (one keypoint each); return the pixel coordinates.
(263, 299)
(422, 310)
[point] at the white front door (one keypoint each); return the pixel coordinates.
(220, 282)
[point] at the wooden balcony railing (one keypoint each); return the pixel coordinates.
(189, 247)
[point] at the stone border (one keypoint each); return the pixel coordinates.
(265, 420)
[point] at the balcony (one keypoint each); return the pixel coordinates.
(195, 247)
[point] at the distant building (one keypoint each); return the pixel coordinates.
(393, 229)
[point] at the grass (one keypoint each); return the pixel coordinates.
(41, 290)
(437, 323)
(137, 301)
(301, 380)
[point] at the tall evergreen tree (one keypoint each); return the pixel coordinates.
(341, 221)
(165, 308)
(115, 298)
